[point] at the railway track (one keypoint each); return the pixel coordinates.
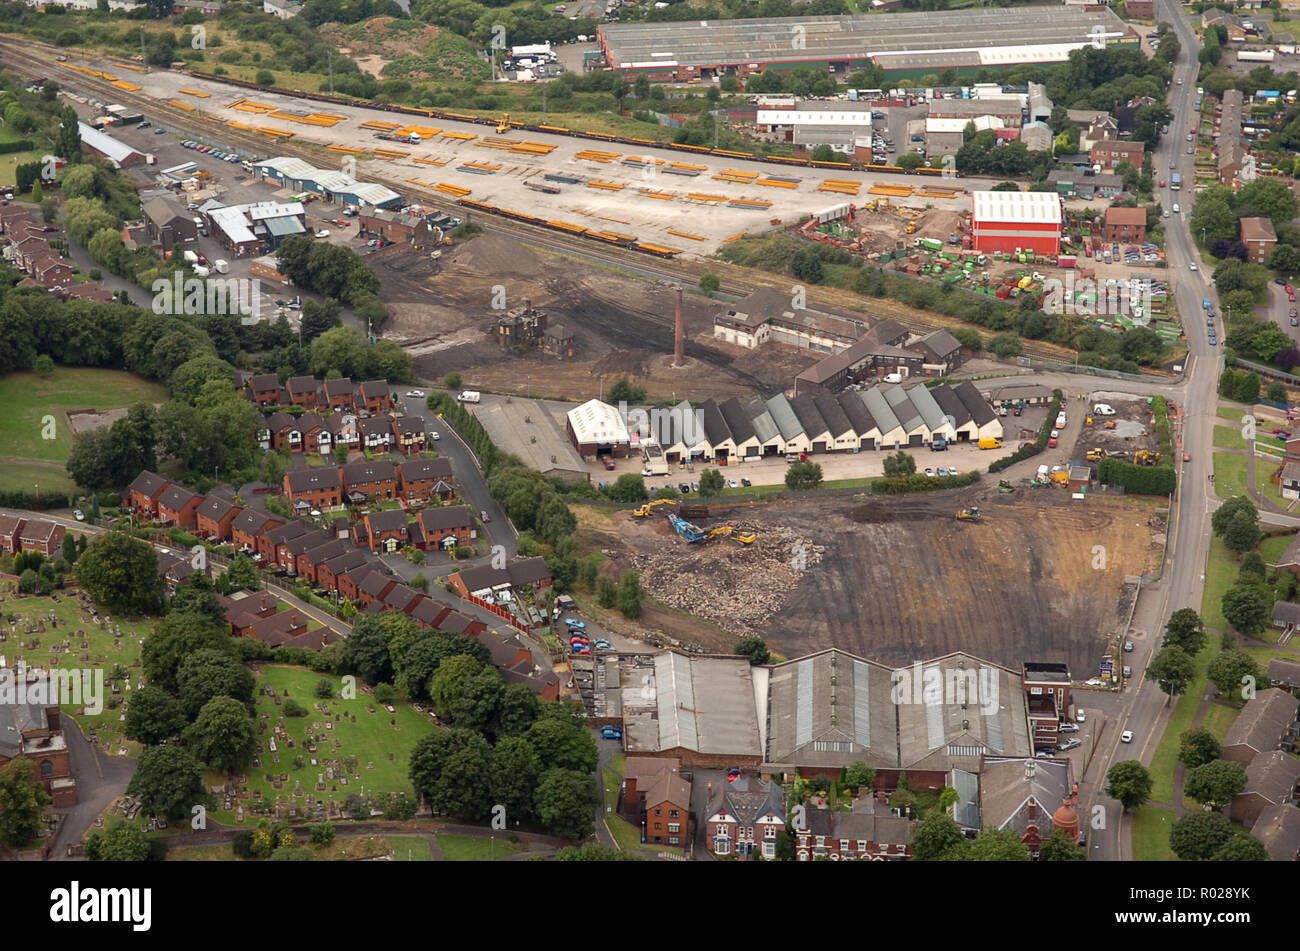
(36, 60)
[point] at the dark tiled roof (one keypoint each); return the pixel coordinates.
(389, 520)
(975, 404)
(148, 483)
(446, 516)
(364, 470)
(307, 480)
(414, 470)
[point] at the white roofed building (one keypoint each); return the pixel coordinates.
(595, 428)
(1007, 221)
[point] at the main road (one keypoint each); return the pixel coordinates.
(1146, 710)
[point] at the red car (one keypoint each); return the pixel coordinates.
(1291, 297)
(1051, 443)
(1284, 433)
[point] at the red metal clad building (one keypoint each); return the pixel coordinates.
(1005, 221)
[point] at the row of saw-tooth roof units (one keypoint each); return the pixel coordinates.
(882, 417)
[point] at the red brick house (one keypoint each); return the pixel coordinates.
(1260, 239)
(309, 561)
(264, 389)
(364, 480)
(214, 518)
(291, 623)
(658, 799)
(142, 494)
(409, 435)
(34, 731)
(340, 395)
(248, 526)
(1126, 225)
(316, 436)
(387, 531)
(445, 526)
(37, 534)
(868, 833)
(9, 529)
(745, 817)
(178, 505)
(50, 269)
(272, 544)
(520, 573)
(329, 570)
(1108, 153)
(401, 598)
(376, 433)
(374, 395)
(313, 488)
(344, 430)
(303, 391)
(347, 582)
(421, 480)
(274, 432)
(372, 588)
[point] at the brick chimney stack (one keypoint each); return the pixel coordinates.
(679, 333)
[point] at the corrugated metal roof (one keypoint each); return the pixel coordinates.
(783, 415)
(597, 422)
(1039, 207)
(117, 152)
(880, 411)
(281, 227)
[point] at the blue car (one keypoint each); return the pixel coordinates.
(575, 625)
(612, 733)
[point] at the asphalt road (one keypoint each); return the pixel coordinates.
(1146, 710)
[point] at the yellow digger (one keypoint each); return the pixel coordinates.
(971, 514)
(641, 511)
(745, 538)
(1146, 457)
(1093, 455)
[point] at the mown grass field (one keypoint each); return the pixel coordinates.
(1229, 474)
(1151, 827)
(35, 407)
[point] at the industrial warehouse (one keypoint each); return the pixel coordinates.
(905, 45)
(882, 417)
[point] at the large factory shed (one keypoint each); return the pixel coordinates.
(1011, 221)
(901, 43)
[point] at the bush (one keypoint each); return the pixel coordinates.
(1144, 480)
(324, 689)
(919, 482)
(322, 834)
(292, 708)
(384, 693)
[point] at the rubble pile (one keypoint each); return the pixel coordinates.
(739, 587)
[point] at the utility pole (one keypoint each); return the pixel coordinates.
(142, 56)
(331, 61)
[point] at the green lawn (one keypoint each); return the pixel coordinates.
(1151, 826)
(381, 742)
(1233, 412)
(410, 848)
(1229, 474)
(32, 400)
(102, 651)
(1228, 437)
(1272, 548)
(1267, 487)
(1219, 717)
(472, 848)
(1166, 755)
(1220, 575)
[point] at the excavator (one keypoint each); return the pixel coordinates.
(641, 511)
(1093, 455)
(1005, 486)
(971, 514)
(735, 534)
(1146, 457)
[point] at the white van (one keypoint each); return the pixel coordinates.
(469, 396)
(1060, 420)
(1177, 210)
(1104, 409)
(893, 378)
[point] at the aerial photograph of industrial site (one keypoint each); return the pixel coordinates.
(706, 431)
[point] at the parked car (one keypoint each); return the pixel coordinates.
(1051, 443)
(415, 394)
(929, 472)
(1071, 744)
(733, 774)
(942, 472)
(1068, 727)
(684, 488)
(1128, 647)
(609, 464)
(323, 233)
(1045, 754)
(746, 483)
(79, 515)
(434, 435)
(574, 624)
(611, 733)
(733, 484)
(1079, 713)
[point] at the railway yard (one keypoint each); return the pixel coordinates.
(633, 192)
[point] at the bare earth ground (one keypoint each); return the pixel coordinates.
(899, 579)
(442, 312)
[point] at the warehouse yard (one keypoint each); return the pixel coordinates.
(895, 579)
